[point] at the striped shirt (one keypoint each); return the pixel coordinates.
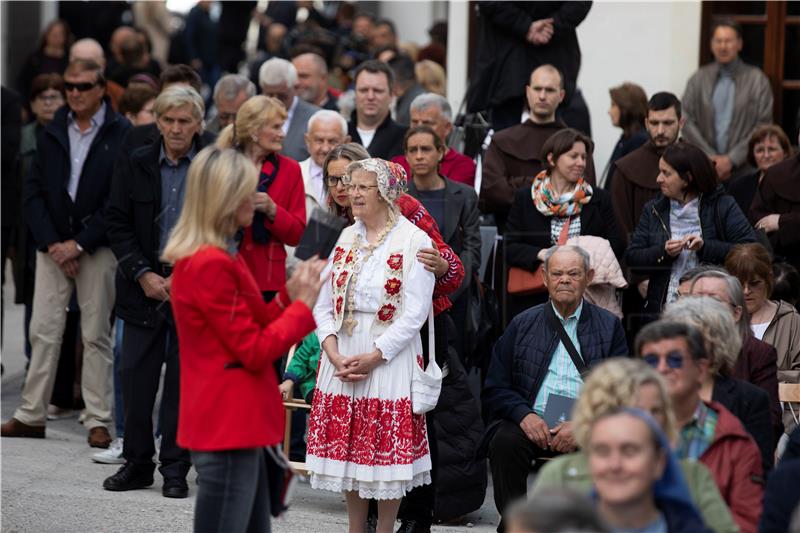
(562, 377)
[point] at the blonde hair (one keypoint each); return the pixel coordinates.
(613, 385)
(431, 76)
(252, 116)
(219, 180)
(715, 322)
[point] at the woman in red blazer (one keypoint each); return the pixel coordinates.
(280, 201)
(230, 407)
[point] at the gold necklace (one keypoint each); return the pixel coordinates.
(350, 323)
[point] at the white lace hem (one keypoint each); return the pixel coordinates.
(370, 490)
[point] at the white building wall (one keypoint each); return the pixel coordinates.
(653, 44)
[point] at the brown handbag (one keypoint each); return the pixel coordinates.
(521, 281)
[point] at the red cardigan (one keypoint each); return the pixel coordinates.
(228, 338)
(455, 166)
(267, 262)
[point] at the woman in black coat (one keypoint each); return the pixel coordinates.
(557, 194)
(691, 221)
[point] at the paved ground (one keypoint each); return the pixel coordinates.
(51, 485)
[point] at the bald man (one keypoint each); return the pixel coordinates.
(514, 158)
(312, 81)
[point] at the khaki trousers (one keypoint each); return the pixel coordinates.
(52, 292)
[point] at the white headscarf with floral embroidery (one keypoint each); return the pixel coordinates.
(392, 179)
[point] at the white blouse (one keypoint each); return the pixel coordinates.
(417, 289)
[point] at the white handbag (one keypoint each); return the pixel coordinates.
(426, 384)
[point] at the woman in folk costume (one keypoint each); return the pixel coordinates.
(363, 437)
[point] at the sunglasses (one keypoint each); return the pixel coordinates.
(674, 359)
(81, 87)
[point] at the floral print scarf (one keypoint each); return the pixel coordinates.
(567, 205)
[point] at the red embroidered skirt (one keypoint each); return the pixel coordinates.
(363, 436)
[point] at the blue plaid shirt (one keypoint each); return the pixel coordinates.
(562, 377)
(698, 434)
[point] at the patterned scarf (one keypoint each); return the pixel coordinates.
(568, 204)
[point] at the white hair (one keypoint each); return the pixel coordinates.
(179, 96)
(583, 254)
(276, 71)
(427, 100)
(327, 115)
(229, 86)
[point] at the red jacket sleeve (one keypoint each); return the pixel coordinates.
(414, 211)
(289, 196)
(218, 289)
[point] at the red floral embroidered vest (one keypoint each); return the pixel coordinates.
(344, 262)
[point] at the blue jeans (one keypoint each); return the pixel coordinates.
(119, 410)
(233, 492)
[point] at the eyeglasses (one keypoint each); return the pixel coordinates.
(674, 359)
(50, 97)
(81, 87)
(332, 181)
(351, 188)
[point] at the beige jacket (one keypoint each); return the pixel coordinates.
(752, 107)
(783, 333)
(608, 277)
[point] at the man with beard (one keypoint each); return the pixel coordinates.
(632, 181)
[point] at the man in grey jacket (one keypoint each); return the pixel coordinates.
(725, 101)
(278, 78)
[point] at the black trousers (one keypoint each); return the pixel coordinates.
(144, 351)
(511, 455)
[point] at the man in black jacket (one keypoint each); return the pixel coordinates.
(64, 198)
(371, 125)
(146, 201)
(531, 367)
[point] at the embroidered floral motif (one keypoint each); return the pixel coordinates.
(395, 261)
(339, 304)
(349, 258)
(342, 279)
(338, 254)
(421, 361)
(387, 432)
(386, 313)
(392, 286)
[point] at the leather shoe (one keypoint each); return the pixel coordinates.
(372, 523)
(175, 487)
(99, 437)
(412, 526)
(129, 477)
(15, 428)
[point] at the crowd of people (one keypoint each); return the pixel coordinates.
(633, 324)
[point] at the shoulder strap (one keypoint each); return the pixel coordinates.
(562, 237)
(555, 323)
